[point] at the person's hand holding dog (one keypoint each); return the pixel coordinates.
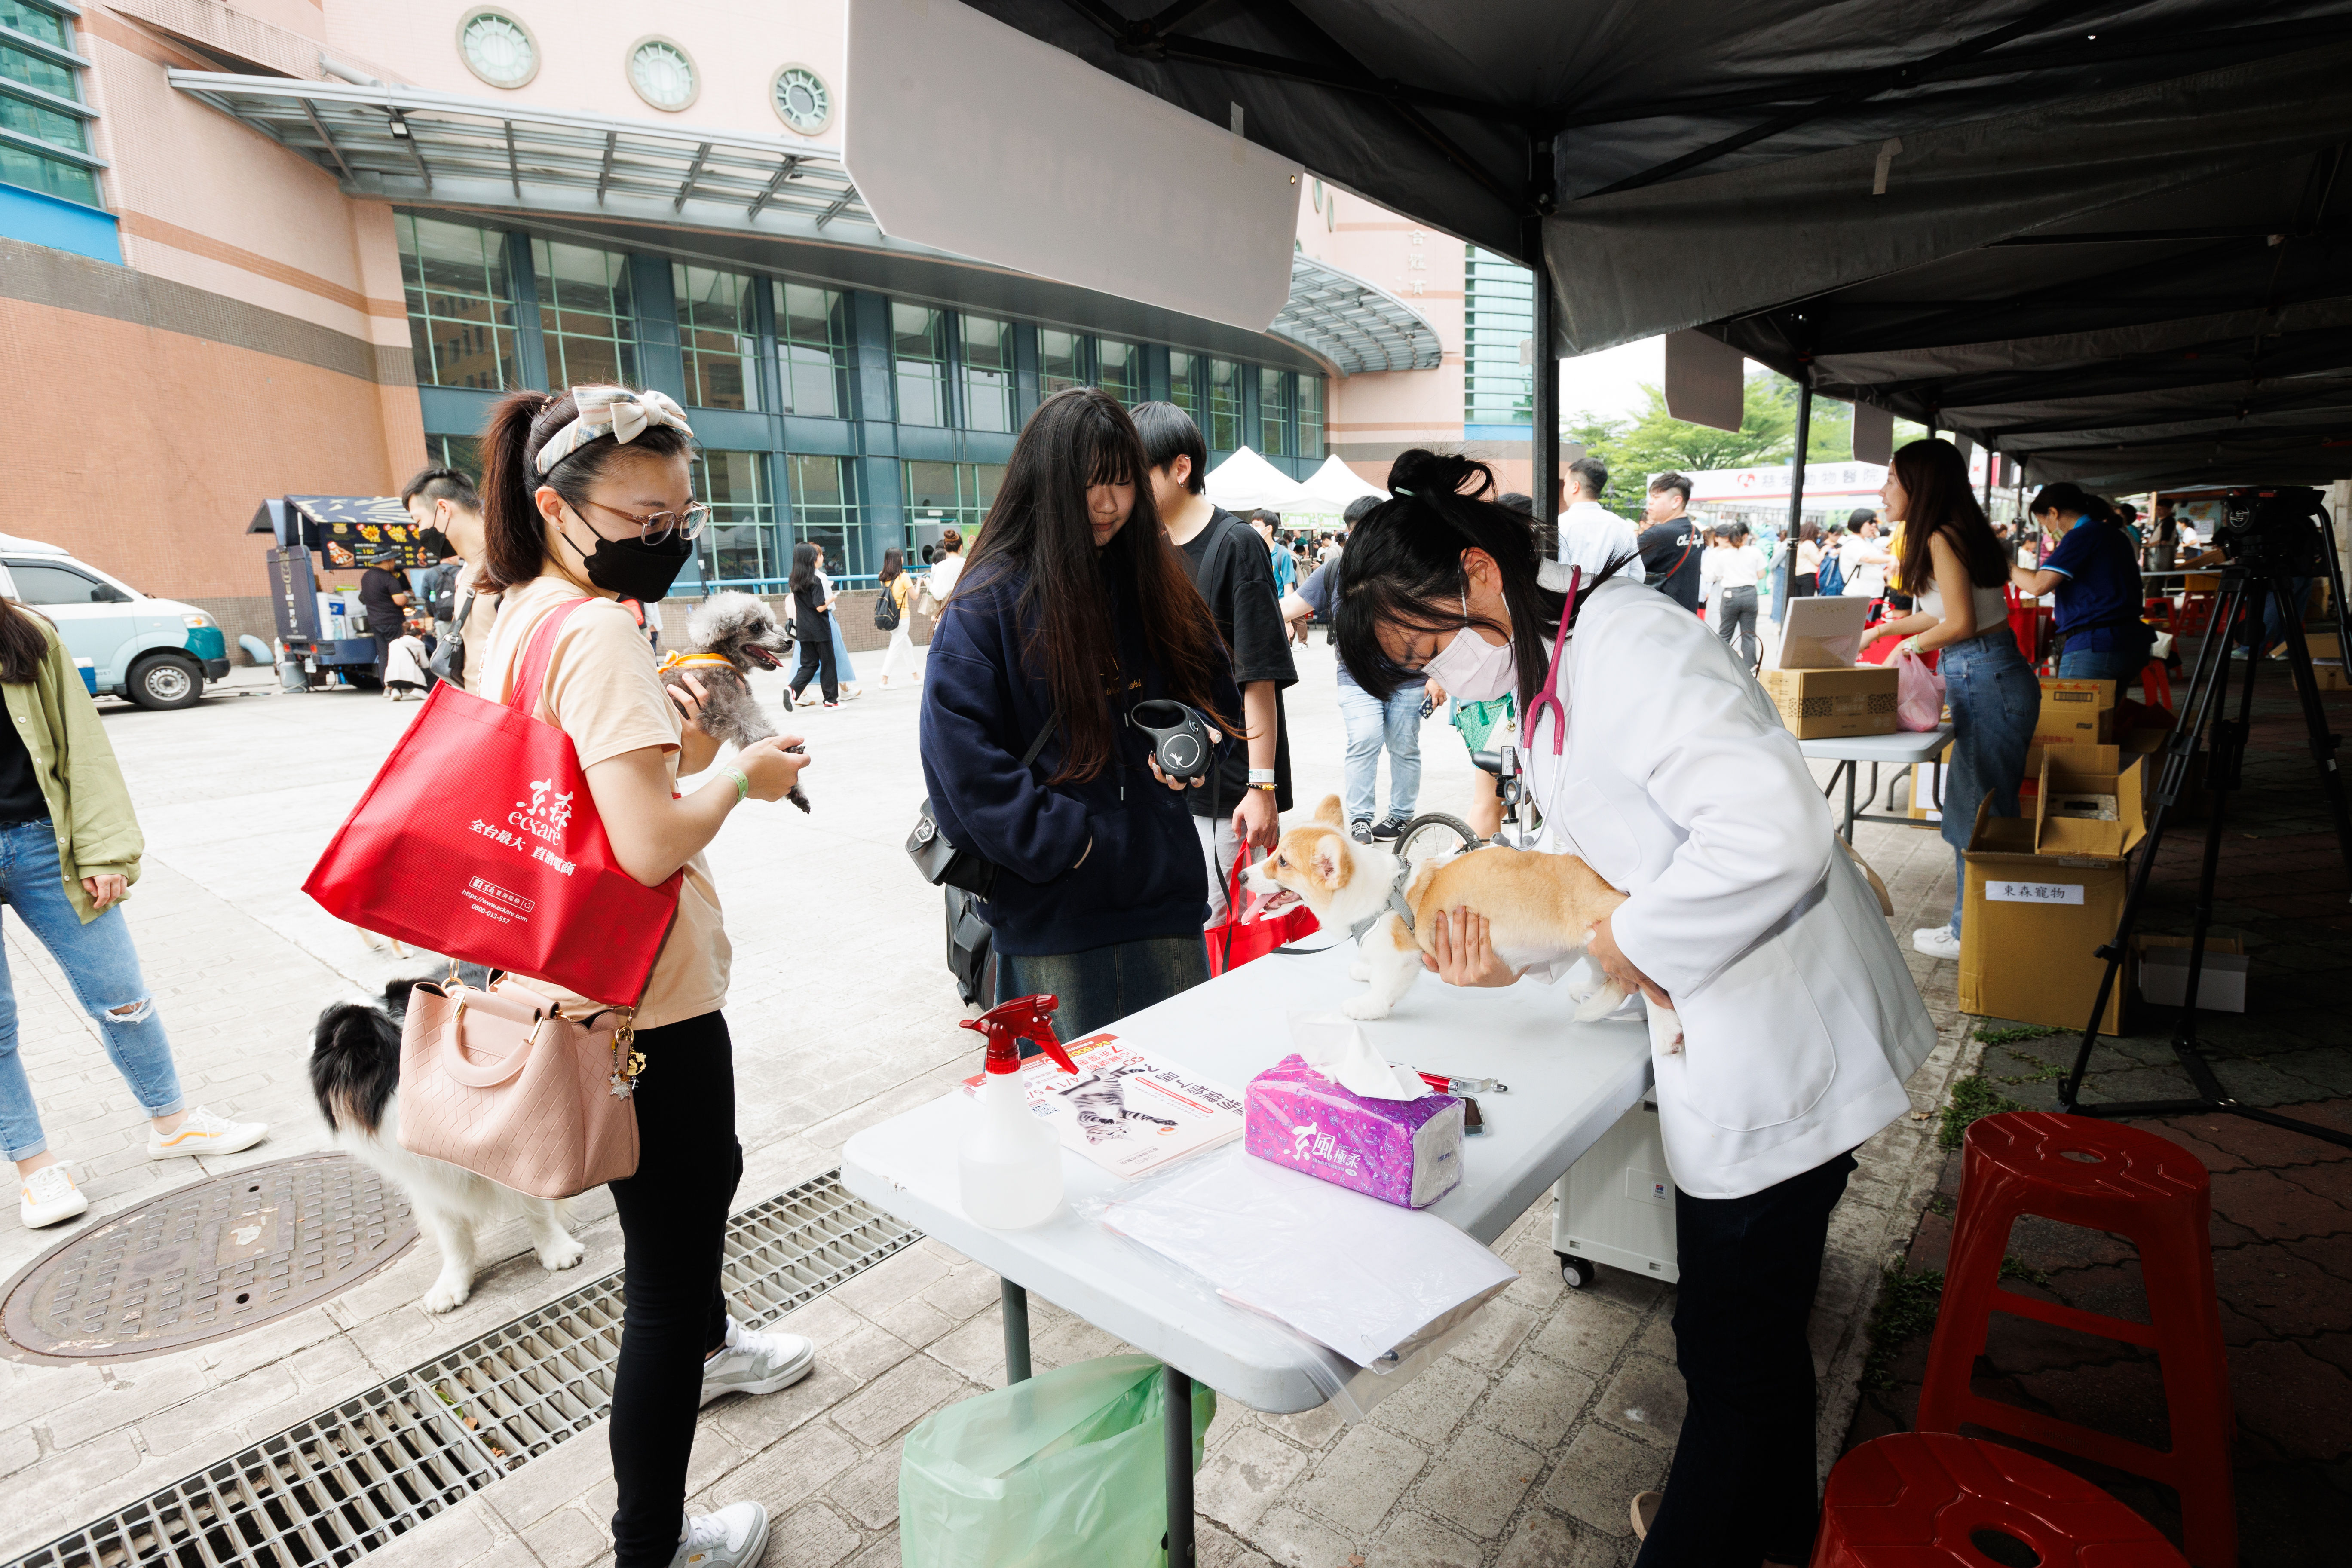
(697, 748)
(1601, 943)
(772, 766)
(1466, 952)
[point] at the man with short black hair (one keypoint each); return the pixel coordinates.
(1670, 543)
(1591, 535)
(447, 512)
(1229, 563)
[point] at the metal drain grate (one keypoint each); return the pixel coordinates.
(350, 1480)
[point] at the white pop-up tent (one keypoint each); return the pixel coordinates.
(1332, 487)
(1246, 481)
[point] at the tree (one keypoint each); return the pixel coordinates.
(1655, 441)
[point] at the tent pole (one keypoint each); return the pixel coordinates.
(1544, 480)
(1788, 557)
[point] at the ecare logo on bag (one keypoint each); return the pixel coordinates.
(535, 826)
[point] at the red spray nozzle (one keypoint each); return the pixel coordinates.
(1007, 1024)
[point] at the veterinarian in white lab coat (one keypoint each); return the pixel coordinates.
(1675, 779)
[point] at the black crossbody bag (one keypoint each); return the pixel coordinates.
(946, 865)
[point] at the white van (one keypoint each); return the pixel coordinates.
(157, 652)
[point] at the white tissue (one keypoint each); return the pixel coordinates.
(1336, 1047)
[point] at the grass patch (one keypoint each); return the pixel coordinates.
(1905, 1309)
(1940, 1205)
(2020, 1034)
(1972, 1096)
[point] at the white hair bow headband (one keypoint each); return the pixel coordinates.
(613, 411)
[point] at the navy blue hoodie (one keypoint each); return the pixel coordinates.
(1145, 876)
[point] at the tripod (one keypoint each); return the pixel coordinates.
(2270, 535)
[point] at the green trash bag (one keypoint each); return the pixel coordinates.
(1066, 1470)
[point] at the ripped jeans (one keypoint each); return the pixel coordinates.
(102, 967)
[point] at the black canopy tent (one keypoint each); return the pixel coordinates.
(1890, 213)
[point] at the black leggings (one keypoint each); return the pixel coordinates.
(817, 654)
(673, 1225)
(1742, 1487)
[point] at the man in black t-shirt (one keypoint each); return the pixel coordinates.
(1244, 794)
(383, 594)
(1670, 542)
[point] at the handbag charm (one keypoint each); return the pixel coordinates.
(630, 1062)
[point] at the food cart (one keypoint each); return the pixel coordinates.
(317, 632)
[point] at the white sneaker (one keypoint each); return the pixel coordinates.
(1937, 942)
(734, 1537)
(756, 1363)
(201, 1132)
(49, 1197)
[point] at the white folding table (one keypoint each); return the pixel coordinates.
(1904, 748)
(1568, 1085)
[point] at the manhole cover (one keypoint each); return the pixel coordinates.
(206, 1261)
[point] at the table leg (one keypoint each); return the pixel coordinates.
(1016, 1334)
(1853, 769)
(1178, 1409)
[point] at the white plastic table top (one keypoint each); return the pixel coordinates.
(1901, 746)
(1569, 1084)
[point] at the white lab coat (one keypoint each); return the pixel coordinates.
(1678, 784)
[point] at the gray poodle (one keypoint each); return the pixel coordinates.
(742, 632)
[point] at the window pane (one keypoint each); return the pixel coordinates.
(717, 337)
(738, 548)
(1061, 360)
(46, 25)
(1310, 417)
(34, 71)
(987, 374)
(812, 337)
(918, 347)
(585, 315)
(22, 166)
(825, 513)
(1119, 370)
(42, 125)
(1183, 382)
(1498, 310)
(39, 584)
(1274, 413)
(461, 327)
(1224, 406)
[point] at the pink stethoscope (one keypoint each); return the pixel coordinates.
(1551, 696)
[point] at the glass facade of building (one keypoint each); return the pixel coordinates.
(1498, 311)
(46, 147)
(838, 416)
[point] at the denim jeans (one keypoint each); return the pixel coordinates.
(1995, 701)
(102, 967)
(1371, 725)
(2102, 664)
(1103, 984)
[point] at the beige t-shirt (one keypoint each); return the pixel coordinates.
(602, 692)
(481, 620)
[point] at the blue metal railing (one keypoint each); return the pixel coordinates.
(778, 587)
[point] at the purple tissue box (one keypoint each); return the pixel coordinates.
(1403, 1152)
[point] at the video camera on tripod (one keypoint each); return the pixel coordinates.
(2266, 530)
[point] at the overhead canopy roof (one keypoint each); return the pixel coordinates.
(1354, 324)
(1868, 191)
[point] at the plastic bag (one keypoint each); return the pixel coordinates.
(1918, 693)
(1064, 1470)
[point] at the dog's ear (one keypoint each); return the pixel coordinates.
(1330, 812)
(1333, 861)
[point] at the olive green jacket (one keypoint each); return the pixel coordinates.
(98, 835)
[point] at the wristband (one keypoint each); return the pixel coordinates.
(742, 784)
(1261, 775)
(1267, 787)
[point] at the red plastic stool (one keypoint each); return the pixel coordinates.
(1930, 1500)
(2154, 1193)
(2156, 683)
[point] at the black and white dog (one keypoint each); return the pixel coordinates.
(355, 1073)
(741, 633)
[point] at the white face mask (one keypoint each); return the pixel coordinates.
(1472, 669)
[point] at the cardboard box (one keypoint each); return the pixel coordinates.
(2161, 965)
(1818, 703)
(2076, 714)
(2044, 893)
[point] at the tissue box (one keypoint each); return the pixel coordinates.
(1403, 1151)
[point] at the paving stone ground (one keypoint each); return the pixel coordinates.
(1519, 1447)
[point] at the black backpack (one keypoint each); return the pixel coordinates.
(972, 950)
(886, 609)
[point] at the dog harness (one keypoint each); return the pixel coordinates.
(671, 661)
(1395, 906)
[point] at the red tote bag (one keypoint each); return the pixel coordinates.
(477, 838)
(1232, 943)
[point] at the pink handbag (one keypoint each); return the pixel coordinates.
(500, 1083)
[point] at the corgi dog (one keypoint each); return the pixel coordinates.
(1538, 907)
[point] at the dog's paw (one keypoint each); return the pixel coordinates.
(1602, 1002)
(563, 1252)
(449, 1292)
(1359, 971)
(1367, 1006)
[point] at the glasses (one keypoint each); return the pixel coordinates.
(656, 527)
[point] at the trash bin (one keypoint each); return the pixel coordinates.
(1063, 1470)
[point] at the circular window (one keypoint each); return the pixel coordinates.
(803, 101)
(662, 73)
(497, 48)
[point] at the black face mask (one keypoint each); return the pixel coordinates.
(435, 542)
(634, 569)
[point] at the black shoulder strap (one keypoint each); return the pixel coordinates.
(1053, 722)
(1213, 559)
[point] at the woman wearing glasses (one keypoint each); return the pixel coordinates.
(588, 497)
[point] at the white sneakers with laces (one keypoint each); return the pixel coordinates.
(753, 1363)
(734, 1537)
(1936, 942)
(48, 1196)
(201, 1132)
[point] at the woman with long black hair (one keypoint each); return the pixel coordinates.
(1955, 567)
(813, 626)
(1659, 760)
(1071, 610)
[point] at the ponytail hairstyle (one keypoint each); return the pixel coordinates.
(1935, 478)
(2070, 498)
(521, 423)
(1039, 530)
(1403, 567)
(22, 642)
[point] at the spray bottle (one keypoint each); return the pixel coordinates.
(1010, 1162)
